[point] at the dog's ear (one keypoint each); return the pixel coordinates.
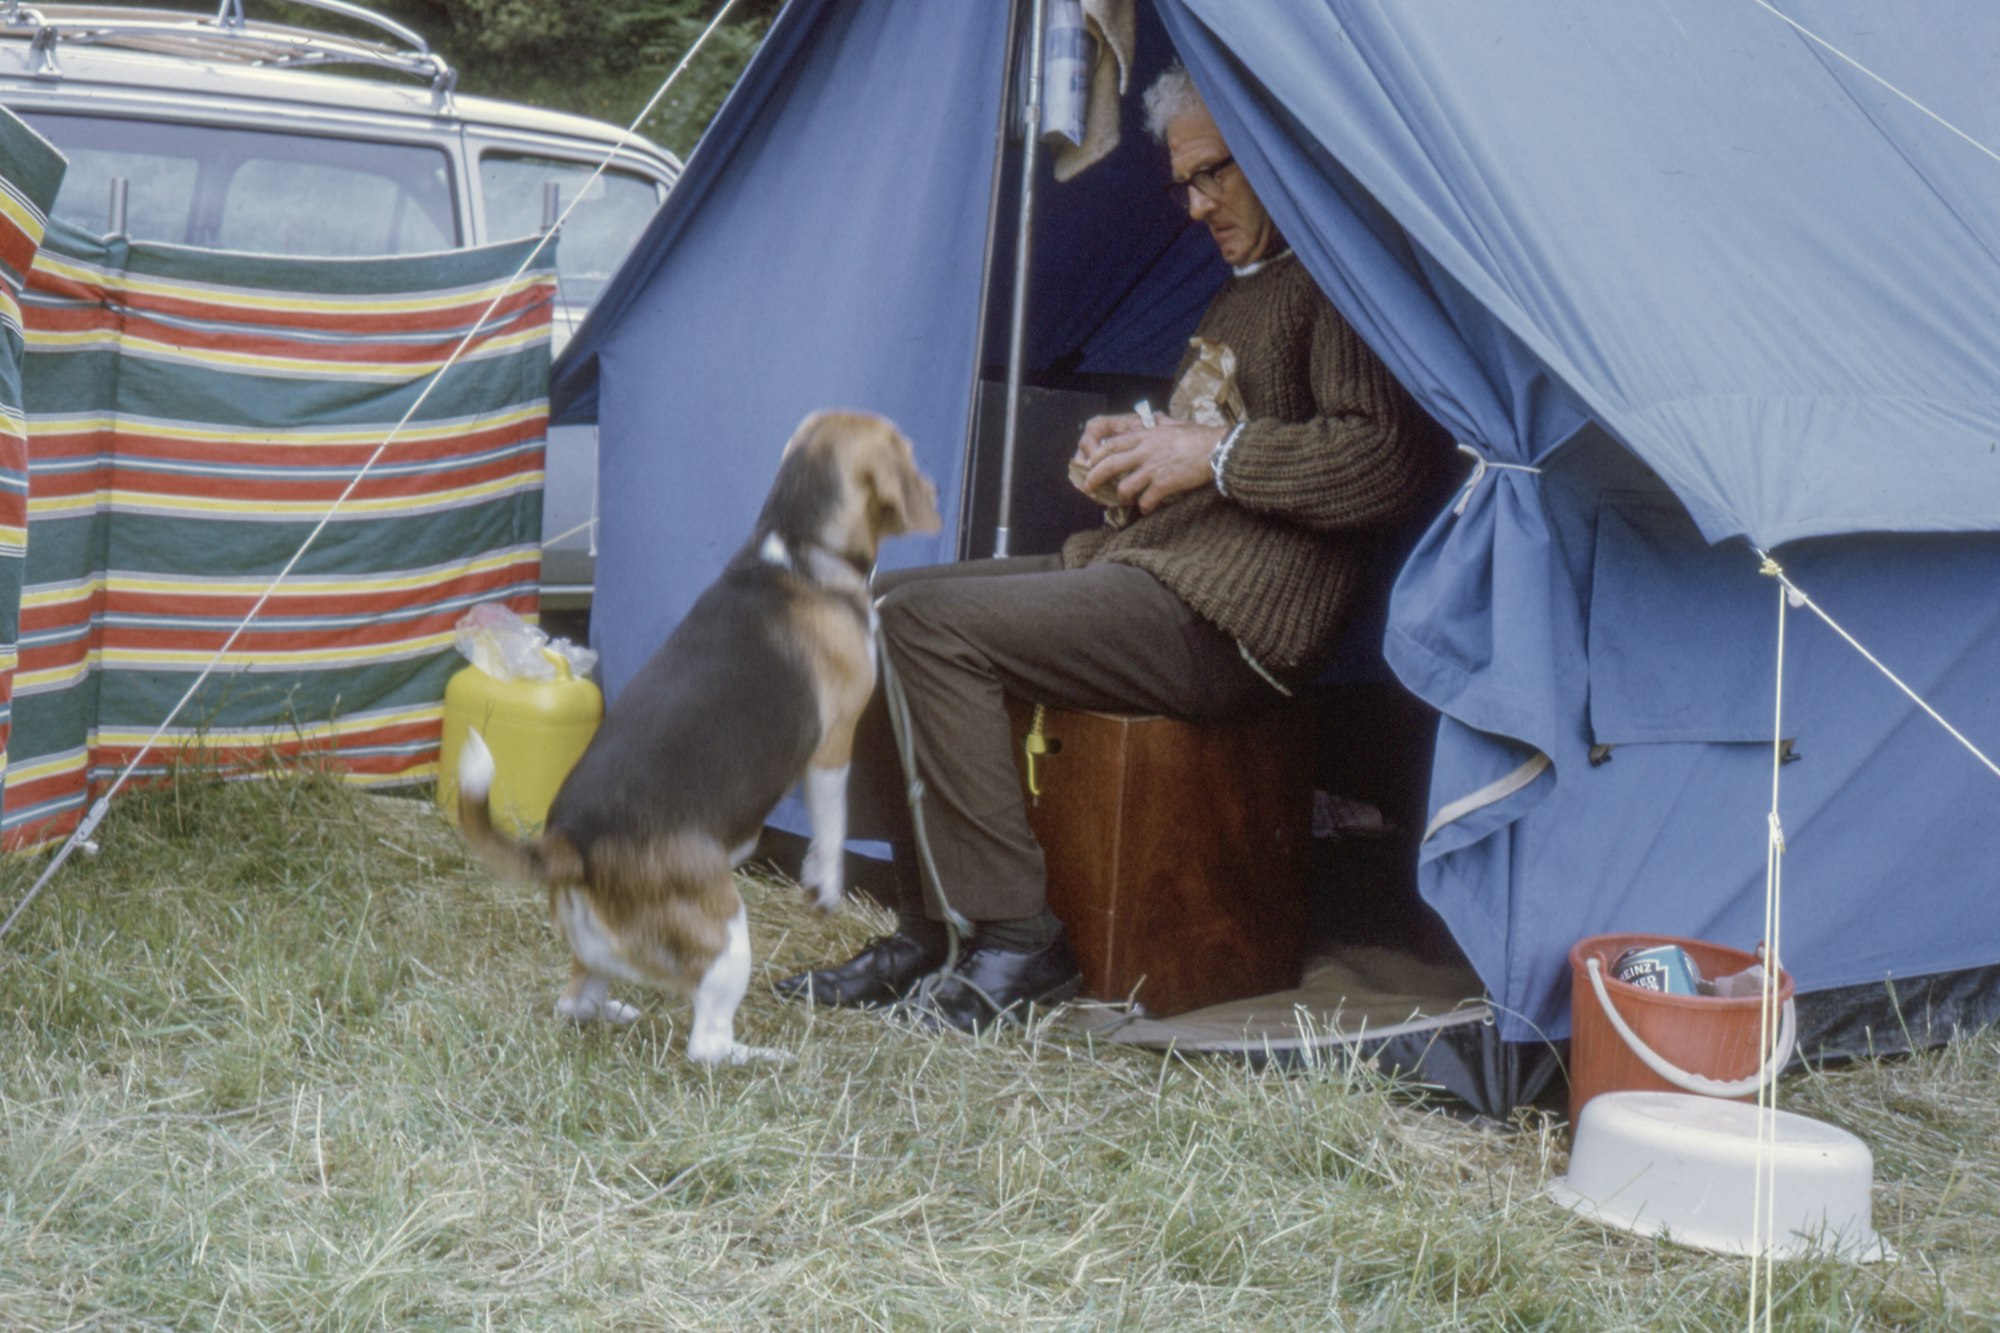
(901, 494)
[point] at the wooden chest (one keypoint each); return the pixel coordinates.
(1176, 851)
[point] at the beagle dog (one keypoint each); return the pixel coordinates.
(759, 686)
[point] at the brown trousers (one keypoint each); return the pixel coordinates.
(962, 637)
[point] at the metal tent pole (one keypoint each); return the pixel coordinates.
(1002, 129)
(1017, 333)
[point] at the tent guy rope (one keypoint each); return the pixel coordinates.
(95, 815)
(1798, 598)
(1841, 55)
(1763, 1208)
(1763, 1278)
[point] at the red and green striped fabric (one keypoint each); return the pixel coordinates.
(191, 415)
(30, 171)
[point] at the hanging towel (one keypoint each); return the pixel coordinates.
(1112, 24)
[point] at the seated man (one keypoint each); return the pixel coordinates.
(1220, 579)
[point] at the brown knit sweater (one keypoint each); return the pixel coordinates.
(1334, 454)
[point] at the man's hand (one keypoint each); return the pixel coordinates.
(1150, 465)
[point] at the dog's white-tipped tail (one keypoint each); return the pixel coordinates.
(476, 775)
(475, 767)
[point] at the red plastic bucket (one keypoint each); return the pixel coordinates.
(1706, 1044)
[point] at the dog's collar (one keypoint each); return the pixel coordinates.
(830, 569)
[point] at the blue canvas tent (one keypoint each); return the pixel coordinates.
(1691, 283)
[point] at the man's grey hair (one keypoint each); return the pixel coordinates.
(1172, 96)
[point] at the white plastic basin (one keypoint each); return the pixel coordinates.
(1685, 1169)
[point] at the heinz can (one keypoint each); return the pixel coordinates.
(1665, 968)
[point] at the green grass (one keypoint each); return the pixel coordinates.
(279, 1058)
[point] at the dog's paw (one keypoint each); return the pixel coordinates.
(822, 878)
(736, 1053)
(583, 1010)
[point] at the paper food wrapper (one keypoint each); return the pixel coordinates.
(1207, 395)
(1106, 495)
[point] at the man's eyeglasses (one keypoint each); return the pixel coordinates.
(1208, 181)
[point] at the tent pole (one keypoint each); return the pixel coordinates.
(988, 252)
(1017, 332)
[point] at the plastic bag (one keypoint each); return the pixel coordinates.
(579, 658)
(1750, 981)
(507, 647)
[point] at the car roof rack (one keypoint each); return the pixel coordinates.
(231, 35)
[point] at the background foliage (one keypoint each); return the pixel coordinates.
(600, 58)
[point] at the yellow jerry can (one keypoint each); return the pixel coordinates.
(537, 730)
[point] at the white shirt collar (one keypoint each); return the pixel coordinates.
(1245, 270)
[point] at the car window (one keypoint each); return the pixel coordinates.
(297, 207)
(615, 209)
(257, 190)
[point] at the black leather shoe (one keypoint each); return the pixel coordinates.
(993, 983)
(887, 967)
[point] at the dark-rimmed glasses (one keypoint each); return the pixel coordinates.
(1207, 181)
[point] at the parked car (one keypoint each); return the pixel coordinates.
(239, 134)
